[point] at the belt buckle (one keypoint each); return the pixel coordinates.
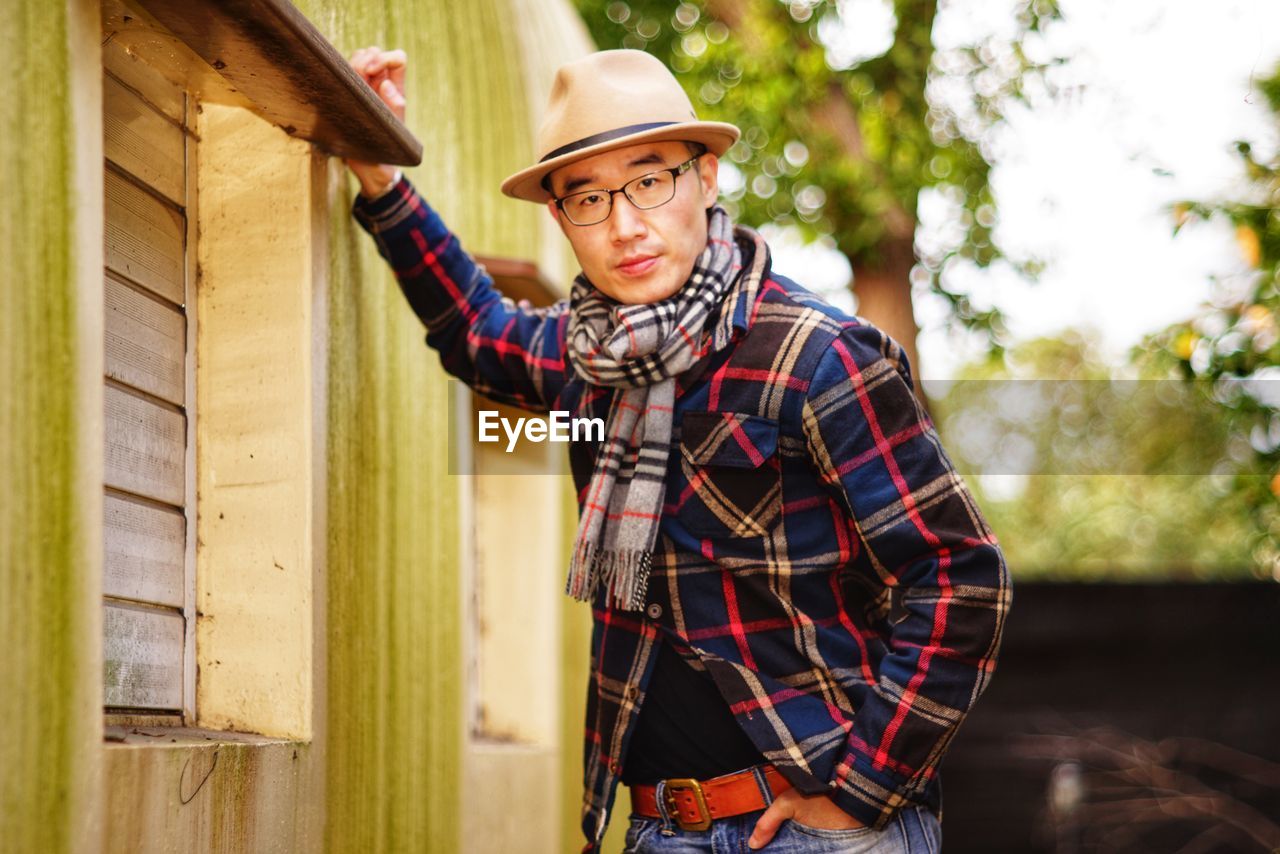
(704, 815)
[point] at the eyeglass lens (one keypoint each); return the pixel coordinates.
(647, 191)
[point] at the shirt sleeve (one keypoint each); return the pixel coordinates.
(927, 541)
(508, 352)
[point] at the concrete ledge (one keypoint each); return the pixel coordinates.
(133, 736)
(195, 790)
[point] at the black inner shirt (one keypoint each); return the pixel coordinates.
(685, 728)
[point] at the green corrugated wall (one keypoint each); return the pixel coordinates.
(395, 676)
(50, 540)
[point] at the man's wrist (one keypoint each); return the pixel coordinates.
(372, 188)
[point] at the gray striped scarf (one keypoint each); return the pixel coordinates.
(640, 350)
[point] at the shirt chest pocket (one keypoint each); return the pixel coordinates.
(730, 461)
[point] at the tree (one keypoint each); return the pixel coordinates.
(1088, 472)
(1230, 351)
(842, 145)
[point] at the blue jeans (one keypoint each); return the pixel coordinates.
(914, 830)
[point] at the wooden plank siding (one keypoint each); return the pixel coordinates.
(145, 342)
(144, 238)
(142, 657)
(145, 551)
(146, 449)
(147, 454)
(143, 141)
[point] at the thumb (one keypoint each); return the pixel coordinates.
(767, 825)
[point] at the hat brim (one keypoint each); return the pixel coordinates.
(716, 136)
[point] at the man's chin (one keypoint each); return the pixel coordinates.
(643, 292)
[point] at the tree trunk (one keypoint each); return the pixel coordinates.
(882, 282)
(883, 291)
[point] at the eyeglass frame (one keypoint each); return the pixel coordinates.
(676, 171)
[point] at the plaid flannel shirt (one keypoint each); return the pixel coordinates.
(819, 557)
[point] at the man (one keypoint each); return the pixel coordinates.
(795, 598)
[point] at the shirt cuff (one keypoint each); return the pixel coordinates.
(387, 209)
(873, 796)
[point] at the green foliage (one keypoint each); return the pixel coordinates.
(1231, 350)
(1092, 474)
(844, 149)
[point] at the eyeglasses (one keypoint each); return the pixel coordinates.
(650, 190)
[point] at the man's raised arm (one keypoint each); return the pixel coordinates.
(510, 353)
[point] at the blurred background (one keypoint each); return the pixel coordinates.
(252, 597)
(1067, 213)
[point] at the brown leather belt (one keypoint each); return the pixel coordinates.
(692, 804)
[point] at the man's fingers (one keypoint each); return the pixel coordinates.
(373, 59)
(767, 825)
(388, 60)
(376, 67)
(396, 70)
(392, 97)
(383, 70)
(361, 60)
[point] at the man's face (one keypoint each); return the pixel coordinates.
(639, 256)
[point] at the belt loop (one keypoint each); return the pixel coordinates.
(757, 771)
(660, 792)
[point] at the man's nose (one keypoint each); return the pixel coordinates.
(625, 220)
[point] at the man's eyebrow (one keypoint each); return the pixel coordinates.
(643, 160)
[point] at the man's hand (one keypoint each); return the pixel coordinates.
(383, 70)
(812, 810)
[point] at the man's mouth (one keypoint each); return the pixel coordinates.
(637, 265)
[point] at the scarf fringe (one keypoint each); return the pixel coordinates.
(624, 575)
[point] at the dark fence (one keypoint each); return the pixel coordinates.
(1126, 718)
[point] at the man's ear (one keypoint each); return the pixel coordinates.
(553, 210)
(709, 178)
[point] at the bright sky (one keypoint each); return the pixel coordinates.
(1159, 92)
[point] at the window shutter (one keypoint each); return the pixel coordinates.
(148, 514)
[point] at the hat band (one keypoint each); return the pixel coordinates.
(597, 138)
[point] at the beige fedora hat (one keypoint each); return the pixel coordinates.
(607, 100)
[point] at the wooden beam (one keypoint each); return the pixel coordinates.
(270, 53)
(519, 279)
